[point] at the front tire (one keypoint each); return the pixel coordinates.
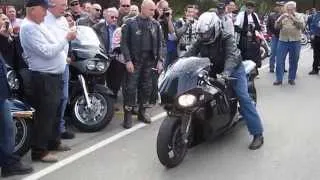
(23, 133)
(97, 118)
(171, 149)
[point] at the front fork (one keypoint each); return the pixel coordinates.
(85, 90)
(186, 127)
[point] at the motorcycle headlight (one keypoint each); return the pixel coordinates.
(101, 66)
(187, 100)
(91, 65)
(13, 80)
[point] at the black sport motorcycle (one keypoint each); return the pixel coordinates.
(89, 98)
(199, 107)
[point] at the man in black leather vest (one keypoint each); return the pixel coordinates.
(141, 45)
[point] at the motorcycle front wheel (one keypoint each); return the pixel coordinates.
(95, 118)
(171, 148)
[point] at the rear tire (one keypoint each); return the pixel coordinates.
(23, 133)
(171, 149)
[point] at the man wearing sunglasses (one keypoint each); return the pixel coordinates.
(105, 30)
(93, 17)
(124, 10)
(76, 9)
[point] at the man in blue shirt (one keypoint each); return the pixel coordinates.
(47, 61)
(315, 36)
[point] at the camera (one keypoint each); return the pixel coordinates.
(7, 25)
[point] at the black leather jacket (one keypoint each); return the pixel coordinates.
(223, 53)
(4, 87)
(131, 40)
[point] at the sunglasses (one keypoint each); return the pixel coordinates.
(124, 5)
(74, 4)
(98, 10)
(114, 17)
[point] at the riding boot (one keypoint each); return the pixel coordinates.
(143, 116)
(127, 121)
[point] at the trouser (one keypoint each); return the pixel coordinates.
(154, 91)
(64, 99)
(274, 45)
(247, 108)
(115, 75)
(7, 137)
(46, 98)
(26, 83)
(293, 48)
(316, 53)
(139, 82)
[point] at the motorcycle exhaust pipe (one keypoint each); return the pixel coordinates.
(85, 91)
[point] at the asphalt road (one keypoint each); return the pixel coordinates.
(291, 151)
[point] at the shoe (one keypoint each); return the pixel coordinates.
(292, 82)
(257, 142)
(16, 169)
(127, 119)
(313, 72)
(143, 116)
(277, 83)
(47, 158)
(67, 135)
(271, 71)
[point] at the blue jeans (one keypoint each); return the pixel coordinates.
(64, 98)
(293, 48)
(7, 137)
(274, 46)
(247, 108)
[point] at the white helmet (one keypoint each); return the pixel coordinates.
(208, 27)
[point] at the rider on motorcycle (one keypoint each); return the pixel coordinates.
(218, 45)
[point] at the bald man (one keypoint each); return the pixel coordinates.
(141, 45)
(93, 17)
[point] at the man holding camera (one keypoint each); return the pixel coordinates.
(186, 30)
(9, 163)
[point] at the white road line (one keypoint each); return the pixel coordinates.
(89, 150)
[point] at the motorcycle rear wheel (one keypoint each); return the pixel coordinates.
(171, 149)
(23, 133)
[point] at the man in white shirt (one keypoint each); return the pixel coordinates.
(47, 60)
(57, 24)
(246, 24)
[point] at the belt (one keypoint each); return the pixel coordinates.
(46, 74)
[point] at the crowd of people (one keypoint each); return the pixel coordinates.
(147, 40)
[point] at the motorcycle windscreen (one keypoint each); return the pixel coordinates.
(181, 77)
(87, 43)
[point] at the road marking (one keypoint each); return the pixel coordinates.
(91, 149)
